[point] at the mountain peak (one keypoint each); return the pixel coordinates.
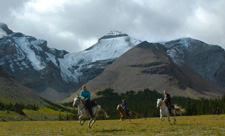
(113, 34)
(4, 30)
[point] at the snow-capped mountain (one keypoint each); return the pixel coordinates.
(31, 62)
(54, 73)
(205, 59)
(83, 66)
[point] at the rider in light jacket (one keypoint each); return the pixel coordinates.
(86, 96)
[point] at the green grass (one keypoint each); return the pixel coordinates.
(186, 125)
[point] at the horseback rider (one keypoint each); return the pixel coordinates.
(86, 96)
(166, 100)
(124, 105)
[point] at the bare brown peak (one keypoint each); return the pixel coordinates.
(151, 46)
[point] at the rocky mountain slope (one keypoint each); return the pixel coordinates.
(83, 66)
(205, 59)
(32, 63)
(148, 66)
(54, 73)
(12, 91)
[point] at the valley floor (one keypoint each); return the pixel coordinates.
(186, 125)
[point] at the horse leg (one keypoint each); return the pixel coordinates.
(168, 116)
(89, 123)
(174, 117)
(81, 120)
(106, 115)
(122, 119)
(130, 119)
(93, 121)
(161, 117)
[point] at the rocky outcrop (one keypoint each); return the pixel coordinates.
(206, 60)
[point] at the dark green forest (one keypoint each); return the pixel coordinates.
(144, 103)
(17, 107)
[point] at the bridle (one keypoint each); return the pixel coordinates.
(78, 101)
(119, 107)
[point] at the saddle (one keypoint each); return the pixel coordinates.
(93, 103)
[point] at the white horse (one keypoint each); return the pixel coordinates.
(164, 111)
(83, 112)
(179, 110)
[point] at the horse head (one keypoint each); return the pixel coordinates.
(76, 101)
(159, 103)
(119, 106)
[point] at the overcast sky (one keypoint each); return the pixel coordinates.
(74, 25)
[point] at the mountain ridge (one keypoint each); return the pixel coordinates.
(55, 73)
(132, 71)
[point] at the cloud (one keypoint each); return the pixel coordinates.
(76, 25)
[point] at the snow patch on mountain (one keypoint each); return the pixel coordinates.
(52, 58)
(177, 49)
(25, 45)
(105, 49)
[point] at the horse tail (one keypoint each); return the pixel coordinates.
(136, 114)
(177, 107)
(105, 113)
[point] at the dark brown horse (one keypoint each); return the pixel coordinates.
(123, 113)
(216, 111)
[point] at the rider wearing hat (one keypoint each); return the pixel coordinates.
(86, 96)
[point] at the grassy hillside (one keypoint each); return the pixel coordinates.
(43, 114)
(13, 92)
(186, 125)
(22, 112)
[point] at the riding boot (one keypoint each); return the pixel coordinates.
(169, 107)
(90, 112)
(88, 106)
(170, 110)
(127, 111)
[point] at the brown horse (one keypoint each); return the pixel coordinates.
(123, 113)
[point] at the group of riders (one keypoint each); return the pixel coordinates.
(86, 97)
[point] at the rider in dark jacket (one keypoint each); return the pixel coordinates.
(167, 101)
(124, 105)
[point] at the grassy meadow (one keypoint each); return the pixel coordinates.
(186, 125)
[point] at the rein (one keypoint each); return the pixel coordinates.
(83, 104)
